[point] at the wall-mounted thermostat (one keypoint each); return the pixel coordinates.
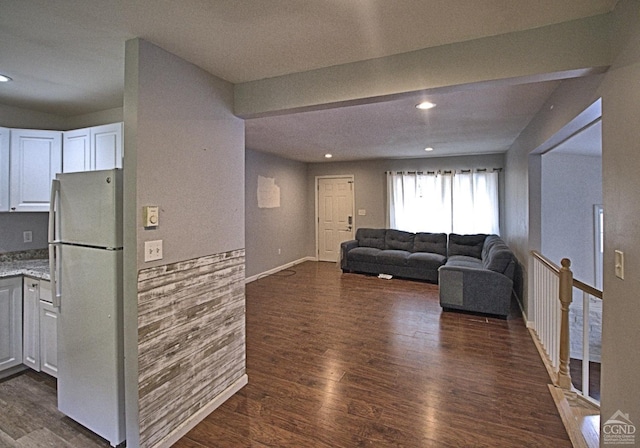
(151, 215)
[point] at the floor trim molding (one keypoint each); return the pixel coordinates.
(253, 278)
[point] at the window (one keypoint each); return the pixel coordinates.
(464, 202)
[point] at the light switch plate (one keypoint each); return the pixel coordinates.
(619, 264)
(153, 250)
(151, 215)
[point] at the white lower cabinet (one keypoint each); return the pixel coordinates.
(31, 323)
(40, 321)
(48, 331)
(10, 322)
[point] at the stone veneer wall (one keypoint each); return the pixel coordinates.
(191, 338)
(595, 328)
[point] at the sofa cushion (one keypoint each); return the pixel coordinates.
(425, 260)
(367, 254)
(499, 258)
(468, 245)
(489, 242)
(465, 262)
(371, 237)
(392, 257)
(399, 240)
(435, 243)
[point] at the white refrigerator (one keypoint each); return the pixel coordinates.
(85, 254)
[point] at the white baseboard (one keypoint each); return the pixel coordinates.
(12, 371)
(196, 418)
(253, 278)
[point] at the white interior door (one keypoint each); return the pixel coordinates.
(335, 216)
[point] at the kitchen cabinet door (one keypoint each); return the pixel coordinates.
(36, 158)
(48, 338)
(90, 149)
(4, 169)
(31, 323)
(76, 150)
(10, 322)
(106, 146)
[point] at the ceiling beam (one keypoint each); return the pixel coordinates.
(570, 49)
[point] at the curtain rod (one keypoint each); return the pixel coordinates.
(463, 171)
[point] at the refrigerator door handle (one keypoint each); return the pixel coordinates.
(55, 271)
(53, 205)
(54, 263)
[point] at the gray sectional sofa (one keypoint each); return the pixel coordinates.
(475, 272)
(478, 275)
(401, 254)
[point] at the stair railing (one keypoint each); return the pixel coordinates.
(552, 297)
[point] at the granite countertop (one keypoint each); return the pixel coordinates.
(38, 268)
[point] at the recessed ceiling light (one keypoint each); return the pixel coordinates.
(425, 105)
(429, 148)
(4, 78)
(328, 156)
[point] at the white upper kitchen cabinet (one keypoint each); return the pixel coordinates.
(36, 158)
(4, 169)
(76, 151)
(95, 148)
(10, 322)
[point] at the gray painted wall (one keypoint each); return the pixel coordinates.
(291, 227)
(371, 182)
(184, 153)
(571, 186)
(13, 224)
(620, 165)
(15, 117)
(523, 176)
(284, 228)
(189, 151)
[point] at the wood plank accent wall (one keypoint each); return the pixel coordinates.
(191, 338)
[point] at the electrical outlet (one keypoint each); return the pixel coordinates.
(153, 250)
(27, 236)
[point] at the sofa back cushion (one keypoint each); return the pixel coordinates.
(399, 240)
(496, 256)
(434, 243)
(371, 237)
(469, 245)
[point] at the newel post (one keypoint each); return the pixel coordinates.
(566, 295)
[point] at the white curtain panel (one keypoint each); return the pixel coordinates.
(443, 202)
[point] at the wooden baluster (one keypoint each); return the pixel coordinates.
(565, 293)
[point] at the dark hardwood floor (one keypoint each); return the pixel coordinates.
(346, 360)
(575, 369)
(29, 416)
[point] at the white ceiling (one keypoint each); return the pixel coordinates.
(587, 142)
(67, 58)
(481, 120)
